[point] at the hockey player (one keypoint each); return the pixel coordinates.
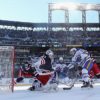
(47, 59)
(44, 65)
(43, 72)
(83, 59)
(45, 62)
(61, 68)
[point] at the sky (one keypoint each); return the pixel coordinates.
(36, 11)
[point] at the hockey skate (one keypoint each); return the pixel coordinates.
(86, 85)
(36, 86)
(31, 88)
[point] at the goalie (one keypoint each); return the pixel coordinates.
(42, 72)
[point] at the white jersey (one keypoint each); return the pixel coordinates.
(61, 66)
(38, 63)
(80, 56)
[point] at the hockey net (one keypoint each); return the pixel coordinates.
(6, 68)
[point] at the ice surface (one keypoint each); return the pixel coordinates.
(75, 93)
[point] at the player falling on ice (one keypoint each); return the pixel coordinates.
(43, 72)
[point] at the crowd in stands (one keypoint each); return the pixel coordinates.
(8, 36)
(58, 38)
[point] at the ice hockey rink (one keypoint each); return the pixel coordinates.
(76, 93)
(28, 28)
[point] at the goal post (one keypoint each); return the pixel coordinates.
(7, 55)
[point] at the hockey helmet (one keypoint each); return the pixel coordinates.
(73, 51)
(50, 53)
(61, 59)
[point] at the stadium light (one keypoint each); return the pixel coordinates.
(74, 6)
(69, 6)
(88, 6)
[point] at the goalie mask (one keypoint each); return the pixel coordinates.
(50, 53)
(73, 51)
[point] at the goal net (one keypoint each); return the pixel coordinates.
(6, 68)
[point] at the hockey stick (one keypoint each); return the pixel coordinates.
(72, 85)
(68, 88)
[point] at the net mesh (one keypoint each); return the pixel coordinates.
(6, 68)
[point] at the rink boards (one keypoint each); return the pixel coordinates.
(28, 82)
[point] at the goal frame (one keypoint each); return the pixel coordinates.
(12, 72)
(10, 85)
